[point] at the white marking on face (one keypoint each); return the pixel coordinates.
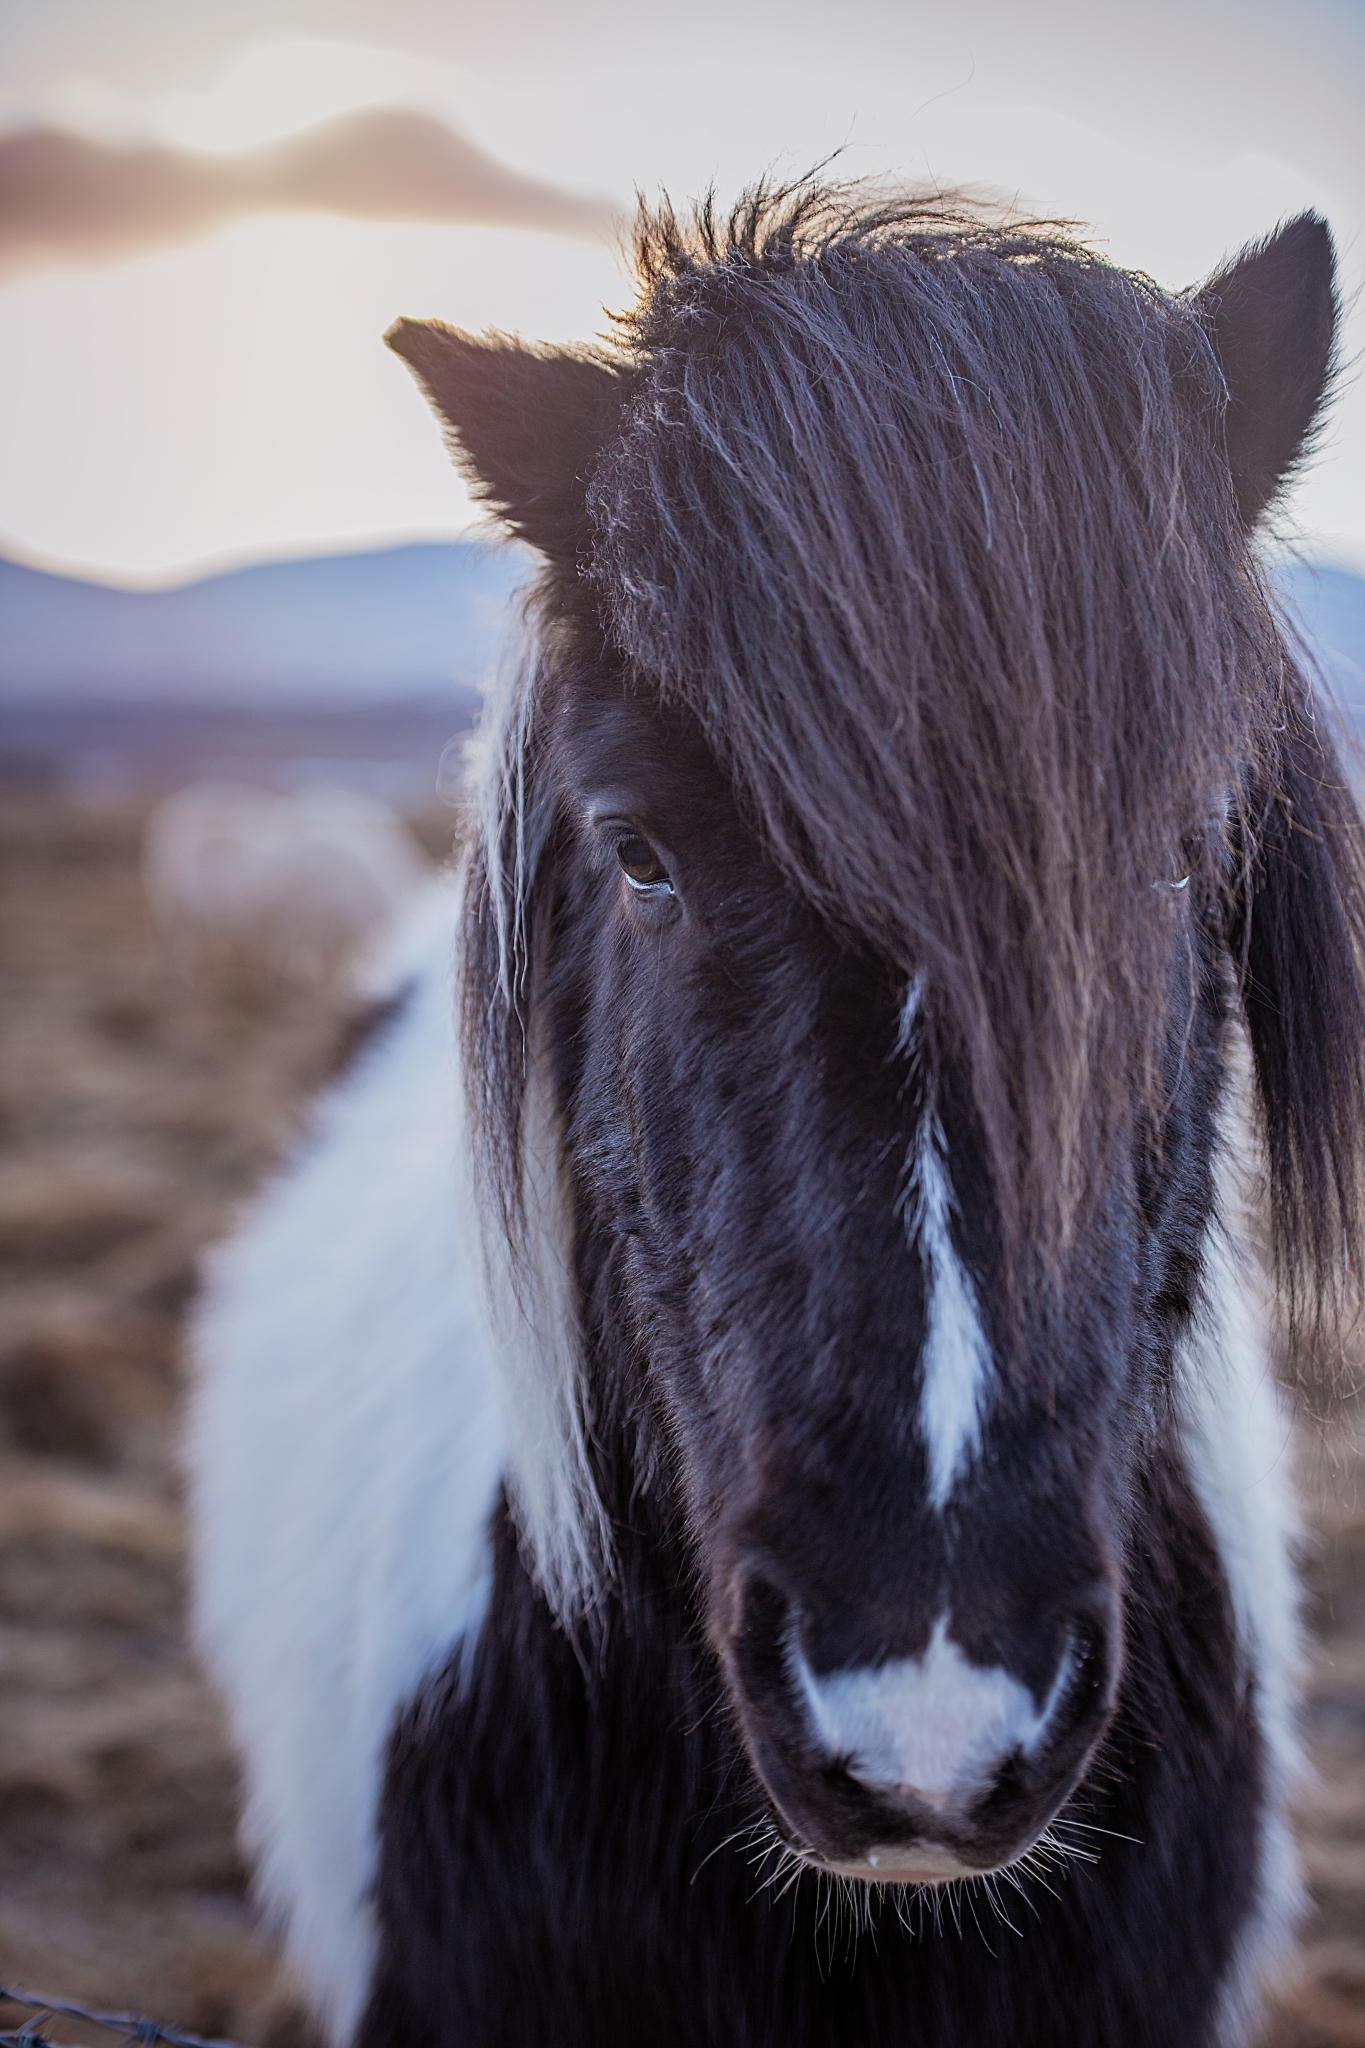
(956, 1359)
(934, 1726)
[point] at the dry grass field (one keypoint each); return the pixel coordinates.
(138, 1105)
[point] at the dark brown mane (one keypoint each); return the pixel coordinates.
(926, 517)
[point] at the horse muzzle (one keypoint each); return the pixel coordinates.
(925, 1768)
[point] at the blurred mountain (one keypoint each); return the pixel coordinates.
(341, 630)
(355, 669)
(1327, 604)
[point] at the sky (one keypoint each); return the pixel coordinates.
(209, 214)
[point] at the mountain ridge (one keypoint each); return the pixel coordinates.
(418, 621)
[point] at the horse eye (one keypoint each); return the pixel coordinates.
(641, 866)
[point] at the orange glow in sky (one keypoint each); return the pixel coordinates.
(228, 397)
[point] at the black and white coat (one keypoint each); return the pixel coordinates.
(357, 1414)
(546, 1738)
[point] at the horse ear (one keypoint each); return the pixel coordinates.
(1272, 318)
(525, 425)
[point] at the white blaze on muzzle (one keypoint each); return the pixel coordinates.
(933, 1728)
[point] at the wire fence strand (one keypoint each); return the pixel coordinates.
(147, 2033)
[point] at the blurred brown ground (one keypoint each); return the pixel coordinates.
(138, 1105)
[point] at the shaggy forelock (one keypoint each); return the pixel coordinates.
(924, 517)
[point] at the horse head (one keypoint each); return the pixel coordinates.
(898, 862)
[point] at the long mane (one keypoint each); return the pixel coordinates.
(924, 516)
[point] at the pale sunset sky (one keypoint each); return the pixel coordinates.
(207, 385)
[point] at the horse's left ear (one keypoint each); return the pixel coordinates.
(1272, 318)
(525, 424)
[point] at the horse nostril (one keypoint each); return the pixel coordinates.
(761, 1629)
(760, 1611)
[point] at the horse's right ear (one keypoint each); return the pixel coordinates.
(1272, 317)
(525, 425)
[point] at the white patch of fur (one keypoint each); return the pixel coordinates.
(534, 1310)
(346, 1441)
(935, 1725)
(956, 1360)
(513, 834)
(1239, 1443)
(559, 1514)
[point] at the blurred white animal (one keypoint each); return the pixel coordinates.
(302, 882)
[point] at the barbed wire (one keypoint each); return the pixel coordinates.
(130, 2025)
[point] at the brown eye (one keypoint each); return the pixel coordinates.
(641, 866)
